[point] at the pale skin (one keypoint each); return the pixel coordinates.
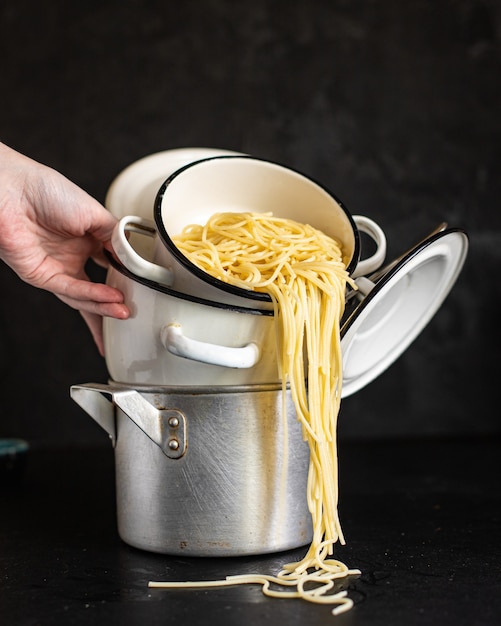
(49, 228)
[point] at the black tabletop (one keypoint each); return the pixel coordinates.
(421, 520)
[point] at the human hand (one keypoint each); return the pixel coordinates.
(49, 228)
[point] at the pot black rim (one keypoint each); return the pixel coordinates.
(182, 296)
(211, 280)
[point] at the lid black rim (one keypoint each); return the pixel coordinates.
(358, 382)
(381, 282)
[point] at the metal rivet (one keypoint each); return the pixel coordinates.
(173, 422)
(173, 444)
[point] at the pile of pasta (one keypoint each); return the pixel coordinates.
(302, 270)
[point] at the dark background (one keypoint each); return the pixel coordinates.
(393, 105)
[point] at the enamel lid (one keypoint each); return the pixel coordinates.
(392, 306)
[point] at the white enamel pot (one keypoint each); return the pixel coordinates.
(174, 339)
(193, 193)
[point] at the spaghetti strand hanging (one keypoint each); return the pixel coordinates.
(302, 270)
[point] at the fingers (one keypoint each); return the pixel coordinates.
(102, 221)
(117, 310)
(88, 296)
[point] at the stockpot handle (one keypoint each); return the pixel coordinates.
(165, 427)
(133, 261)
(375, 232)
(177, 343)
(96, 400)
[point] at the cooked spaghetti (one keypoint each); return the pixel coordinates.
(302, 270)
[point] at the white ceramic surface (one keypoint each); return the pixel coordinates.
(134, 189)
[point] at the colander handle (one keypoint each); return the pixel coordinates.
(178, 344)
(165, 427)
(131, 259)
(375, 232)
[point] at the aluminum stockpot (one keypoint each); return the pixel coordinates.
(206, 471)
(193, 193)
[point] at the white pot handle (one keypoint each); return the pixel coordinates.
(176, 343)
(133, 261)
(372, 263)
